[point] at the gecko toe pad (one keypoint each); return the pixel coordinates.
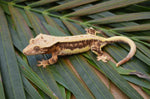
(102, 57)
(43, 63)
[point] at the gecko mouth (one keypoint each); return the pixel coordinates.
(31, 51)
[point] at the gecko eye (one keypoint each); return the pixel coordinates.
(31, 40)
(36, 48)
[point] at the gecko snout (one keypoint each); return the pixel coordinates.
(27, 52)
(24, 52)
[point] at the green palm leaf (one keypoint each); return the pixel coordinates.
(121, 18)
(9, 67)
(73, 75)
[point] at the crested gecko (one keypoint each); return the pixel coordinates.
(68, 45)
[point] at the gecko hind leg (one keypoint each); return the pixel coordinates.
(91, 31)
(100, 56)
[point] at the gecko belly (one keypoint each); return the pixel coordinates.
(74, 51)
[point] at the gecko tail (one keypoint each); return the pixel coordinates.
(125, 40)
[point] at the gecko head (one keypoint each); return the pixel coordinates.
(39, 45)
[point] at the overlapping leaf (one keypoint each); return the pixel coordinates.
(73, 73)
(9, 67)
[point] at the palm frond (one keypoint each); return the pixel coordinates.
(74, 75)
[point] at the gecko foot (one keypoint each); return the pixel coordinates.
(92, 31)
(104, 58)
(43, 63)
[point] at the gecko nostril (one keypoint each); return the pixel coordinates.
(24, 52)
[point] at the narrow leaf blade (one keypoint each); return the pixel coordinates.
(108, 5)
(121, 18)
(116, 78)
(10, 70)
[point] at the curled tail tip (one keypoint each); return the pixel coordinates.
(122, 61)
(125, 40)
(117, 65)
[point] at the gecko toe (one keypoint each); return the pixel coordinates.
(43, 63)
(102, 57)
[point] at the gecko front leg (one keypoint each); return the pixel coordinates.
(96, 48)
(43, 63)
(50, 61)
